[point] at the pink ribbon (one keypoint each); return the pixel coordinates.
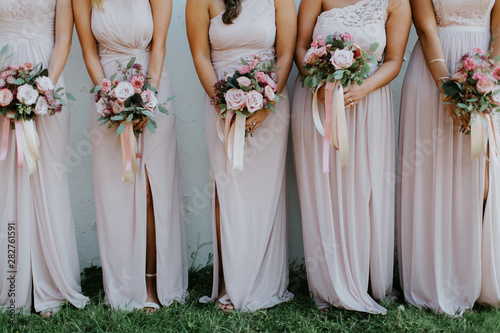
(328, 127)
(128, 156)
(19, 144)
(5, 138)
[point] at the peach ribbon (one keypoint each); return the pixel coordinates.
(26, 142)
(233, 138)
(335, 130)
(480, 124)
(129, 154)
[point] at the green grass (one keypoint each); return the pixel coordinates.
(298, 315)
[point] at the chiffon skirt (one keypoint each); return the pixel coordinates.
(348, 213)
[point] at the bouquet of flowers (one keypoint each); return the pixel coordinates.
(126, 102)
(336, 62)
(337, 58)
(25, 92)
(249, 89)
(474, 89)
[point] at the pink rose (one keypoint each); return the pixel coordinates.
(26, 94)
(346, 36)
(42, 106)
(235, 99)
(43, 84)
(105, 85)
(495, 98)
(254, 101)
(244, 81)
(260, 76)
(270, 82)
(485, 86)
(318, 42)
(149, 97)
(342, 59)
(123, 91)
(459, 76)
(29, 65)
(313, 54)
(478, 50)
(479, 76)
(101, 106)
(117, 107)
(5, 97)
(269, 93)
(496, 73)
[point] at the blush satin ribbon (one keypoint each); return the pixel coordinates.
(335, 130)
(26, 142)
(129, 154)
(480, 124)
(233, 138)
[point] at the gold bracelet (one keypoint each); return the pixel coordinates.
(435, 60)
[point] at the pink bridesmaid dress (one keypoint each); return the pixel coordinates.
(448, 247)
(46, 260)
(124, 30)
(348, 213)
(252, 202)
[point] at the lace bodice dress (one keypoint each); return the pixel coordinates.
(348, 212)
(46, 254)
(447, 237)
(365, 21)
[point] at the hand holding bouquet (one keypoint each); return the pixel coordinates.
(475, 91)
(336, 62)
(249, 89)
(25, 92)
(125, 103)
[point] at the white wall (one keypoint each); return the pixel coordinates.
(191, 143)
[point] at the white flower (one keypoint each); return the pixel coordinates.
(254, 101)
(149, 97)
(101, 106)
(123, 91)
(26, 94)
(342, 59)
(42, 106)
(43, 84)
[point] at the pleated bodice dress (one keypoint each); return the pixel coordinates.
(348, 213)
(448, 248)
(38, 206)
(124, 30)
(252, 202)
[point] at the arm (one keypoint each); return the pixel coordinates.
(424, 19)
(397, 31)
(286, 32)
(495, 31)
(197, 25)
(82, 12)
(309, 10)
(162, 12)
(62, 43)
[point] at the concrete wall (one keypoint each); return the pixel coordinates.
(192, 150)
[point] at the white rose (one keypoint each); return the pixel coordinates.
(101, 106)
(269, 93)
(235, 99)
(254, 101)
(43, 84)
(244, 81)
(26, 94)
(149, 97)
(342, 59)
(123, 91)
(42, 106)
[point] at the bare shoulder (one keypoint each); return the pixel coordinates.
(399, 7)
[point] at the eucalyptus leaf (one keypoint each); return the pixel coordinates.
(120, 129)
(131, 63)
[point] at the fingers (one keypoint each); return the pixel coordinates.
(454, 117)
(140, 124)
(254, 128)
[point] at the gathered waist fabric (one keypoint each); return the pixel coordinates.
(464, 28)
(227, 61)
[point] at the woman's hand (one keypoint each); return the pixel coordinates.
(462, 121)
(256, 119)
(140, 124)
(353, 95)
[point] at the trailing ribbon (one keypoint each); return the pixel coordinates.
(26, 142)
(233, 138)
(335, 130)
(478, 136)
(129, 154)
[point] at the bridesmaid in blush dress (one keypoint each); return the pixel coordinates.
(140, 226)
(348, 213)
(248, 207)
(448, 206)
(45, 267)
